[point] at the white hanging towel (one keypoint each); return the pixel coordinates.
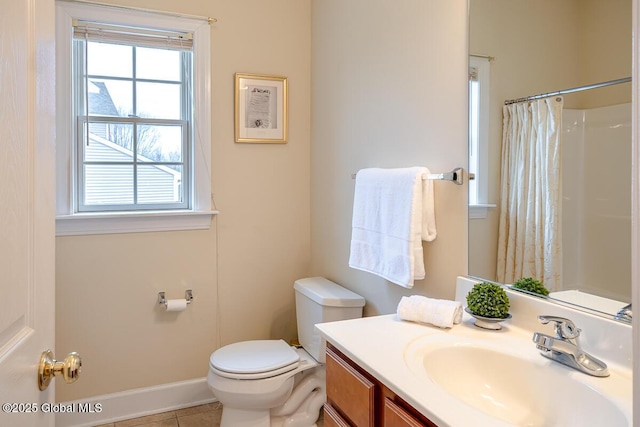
(392, 213)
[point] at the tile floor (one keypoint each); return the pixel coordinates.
(197, 416)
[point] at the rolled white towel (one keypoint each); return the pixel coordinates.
(437, 312)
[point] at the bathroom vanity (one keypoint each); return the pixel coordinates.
(382, 371)
(354, 394)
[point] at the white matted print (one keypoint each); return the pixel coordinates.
(261, 108)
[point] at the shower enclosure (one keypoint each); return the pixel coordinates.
(596, 207)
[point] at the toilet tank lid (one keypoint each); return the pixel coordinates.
(327, 293)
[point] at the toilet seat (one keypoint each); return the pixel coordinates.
(251, 360)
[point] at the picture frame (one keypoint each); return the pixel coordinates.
(260, 108)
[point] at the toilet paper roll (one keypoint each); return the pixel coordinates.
(176, 304)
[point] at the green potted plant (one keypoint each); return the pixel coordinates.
(530, 284)
(488, 303)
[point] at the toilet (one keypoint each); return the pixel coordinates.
(268, 383)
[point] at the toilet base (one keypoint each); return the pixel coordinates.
(301, 408)
(245, 417)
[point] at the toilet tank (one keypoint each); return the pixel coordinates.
(320, 300)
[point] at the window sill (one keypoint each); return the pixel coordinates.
(132, 222)
(479, 211)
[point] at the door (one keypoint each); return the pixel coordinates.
(27, 224)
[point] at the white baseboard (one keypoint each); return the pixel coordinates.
(128, 404)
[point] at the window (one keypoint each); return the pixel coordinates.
(133, 145)
(478, 135)
(133, 154)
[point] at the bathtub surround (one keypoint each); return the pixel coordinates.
(596, 221)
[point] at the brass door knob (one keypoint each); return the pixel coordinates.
(70, 368)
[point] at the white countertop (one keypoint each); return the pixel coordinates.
(378, 344)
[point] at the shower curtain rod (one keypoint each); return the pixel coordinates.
(575, 89)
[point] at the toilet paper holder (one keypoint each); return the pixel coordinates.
(162, 300)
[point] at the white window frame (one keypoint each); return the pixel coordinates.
(478, 202)
(68, 220)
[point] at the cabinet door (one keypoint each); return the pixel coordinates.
(397, 416)
(332, 418)
(349, 391)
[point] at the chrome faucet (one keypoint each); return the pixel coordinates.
(625, 314)
(564, 347)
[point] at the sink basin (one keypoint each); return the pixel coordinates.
(517, 386)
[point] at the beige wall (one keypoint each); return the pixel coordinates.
(389, 89)
(543, 46)
(106, 286)
(606, 47)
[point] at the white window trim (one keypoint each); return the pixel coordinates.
(199, 217)
(479, 210)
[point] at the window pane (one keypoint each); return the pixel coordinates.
(102, 60)
(109, 142)
(159, 184)
(159, 143)
(474, 111)
(110, 97)
(158, 64)
(158, 100)
(134, 151)
(108, 184)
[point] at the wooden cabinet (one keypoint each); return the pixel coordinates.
(332, 418)
(357, 399)
(397, 416)
(350, 391)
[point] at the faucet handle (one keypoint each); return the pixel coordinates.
(565, 328)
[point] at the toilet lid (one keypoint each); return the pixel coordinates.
(254, 359)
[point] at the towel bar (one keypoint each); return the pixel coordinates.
(455, 176)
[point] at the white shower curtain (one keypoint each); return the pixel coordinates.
(529, 239)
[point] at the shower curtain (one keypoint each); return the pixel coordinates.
(529, 238)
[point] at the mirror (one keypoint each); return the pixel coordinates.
(525, 48)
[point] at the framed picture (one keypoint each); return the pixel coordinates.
(261, 108)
